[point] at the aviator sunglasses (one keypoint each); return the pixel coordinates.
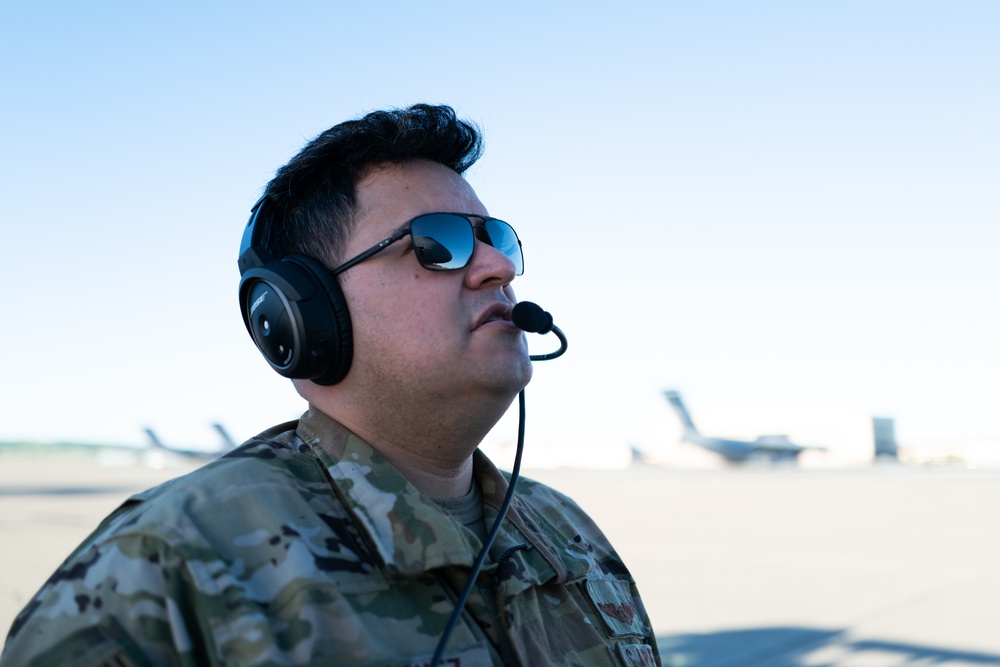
(446, 241)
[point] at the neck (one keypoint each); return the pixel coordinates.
(432, 449)
(434, 482)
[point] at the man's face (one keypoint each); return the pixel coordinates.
(431, 334)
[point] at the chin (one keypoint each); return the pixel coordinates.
(513, 378)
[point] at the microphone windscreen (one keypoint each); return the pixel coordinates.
(530, 317)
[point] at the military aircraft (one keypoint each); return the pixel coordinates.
(199, 454)
(772, 448)
(155, 453)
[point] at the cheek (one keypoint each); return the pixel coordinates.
(410, 310)
(414, 314)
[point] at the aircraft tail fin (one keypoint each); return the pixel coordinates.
(154, 440)
(674, 398)
(226, 438)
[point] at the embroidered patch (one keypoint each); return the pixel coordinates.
(613, 600)
(637, 655)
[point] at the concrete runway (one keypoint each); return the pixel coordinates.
(739, 568)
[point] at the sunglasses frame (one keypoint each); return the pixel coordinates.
(408, 230)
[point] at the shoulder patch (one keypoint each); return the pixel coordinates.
(637, 655)
(613, 600)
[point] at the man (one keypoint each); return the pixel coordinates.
(345, 538)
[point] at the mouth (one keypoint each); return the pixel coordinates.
(496, 312)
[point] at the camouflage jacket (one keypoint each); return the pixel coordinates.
(305, 547)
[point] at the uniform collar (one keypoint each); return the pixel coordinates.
(409, 531)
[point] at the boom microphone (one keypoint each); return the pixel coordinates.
(530, 317)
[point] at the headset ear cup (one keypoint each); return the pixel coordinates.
(341, 348)
(297, 317)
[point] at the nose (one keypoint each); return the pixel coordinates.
(489, 267)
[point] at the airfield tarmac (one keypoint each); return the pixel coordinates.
(779, 567)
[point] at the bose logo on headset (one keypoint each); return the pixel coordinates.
(304, 332)
(257, 303)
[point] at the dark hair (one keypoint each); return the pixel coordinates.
(310, 203)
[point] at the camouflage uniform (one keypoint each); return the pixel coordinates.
(292, 552)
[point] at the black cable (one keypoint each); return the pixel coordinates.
(484, 552)
(558, 353)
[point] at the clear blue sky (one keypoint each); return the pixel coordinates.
(782, 209)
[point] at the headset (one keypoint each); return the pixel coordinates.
(294, 310)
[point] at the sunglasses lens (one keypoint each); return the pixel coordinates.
(445, 241)
(504, 238)
(442, 241)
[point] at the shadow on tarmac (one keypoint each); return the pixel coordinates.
(801, 647)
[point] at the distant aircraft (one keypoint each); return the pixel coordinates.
(227, 440)
(154, 446)
(766, 447)
(199, 454)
